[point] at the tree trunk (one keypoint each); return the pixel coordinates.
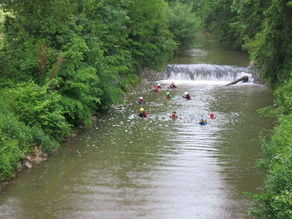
(244, 79)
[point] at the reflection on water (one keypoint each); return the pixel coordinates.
(207, 50)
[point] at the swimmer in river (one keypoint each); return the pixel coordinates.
(141, 100)
(157, 88)
(187, 96)
(142, 113)
(173, 115)
(212, 116)
(168, 96)
(172, 85)
(203, 122)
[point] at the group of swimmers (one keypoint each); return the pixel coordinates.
(169, 96)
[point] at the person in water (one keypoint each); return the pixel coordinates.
(157, 88)
(187, 96)
(212, 116)
(168, 96)
(141, 100)
(143, 113)
(173, 115)
(172, 86)
(203, 122)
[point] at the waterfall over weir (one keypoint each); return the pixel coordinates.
(205, 72)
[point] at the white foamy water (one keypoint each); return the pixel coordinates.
(205, 73)
(180, 82)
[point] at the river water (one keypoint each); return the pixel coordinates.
(130, 167)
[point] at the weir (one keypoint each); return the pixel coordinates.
(205, 72)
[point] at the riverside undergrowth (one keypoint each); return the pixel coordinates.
(276, 199)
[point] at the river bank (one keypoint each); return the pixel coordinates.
(275, 200)
(37, 156)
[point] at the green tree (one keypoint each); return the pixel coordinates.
(248, 20)
(272, 47)
(216, 17)
(150, 40)
(183, 23)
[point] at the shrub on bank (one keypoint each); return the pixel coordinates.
(29, 115)
(40, 107)
(14, 140)
(276, 201)
(10, 154)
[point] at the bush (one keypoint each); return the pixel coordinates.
(14, 139)
(284, 97)
(27, 133)
(10, 156)
(276, 201)
(40, 107)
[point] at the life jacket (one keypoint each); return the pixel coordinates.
(156, 89)
(143, 114)
(203, 122)
(173, 116)
(169, 97)
(142, 101)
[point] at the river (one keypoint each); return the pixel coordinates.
(129, 167)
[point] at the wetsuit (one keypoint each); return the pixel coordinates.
(172, 86)
(188, 97)
(143, 114)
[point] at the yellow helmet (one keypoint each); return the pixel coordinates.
(141, 109)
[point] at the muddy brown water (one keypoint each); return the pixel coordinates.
(128, 167)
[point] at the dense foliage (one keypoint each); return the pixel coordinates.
(62, 60)
(276, 201)
(183, 23)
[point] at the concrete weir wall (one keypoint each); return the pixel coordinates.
(153, 75)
